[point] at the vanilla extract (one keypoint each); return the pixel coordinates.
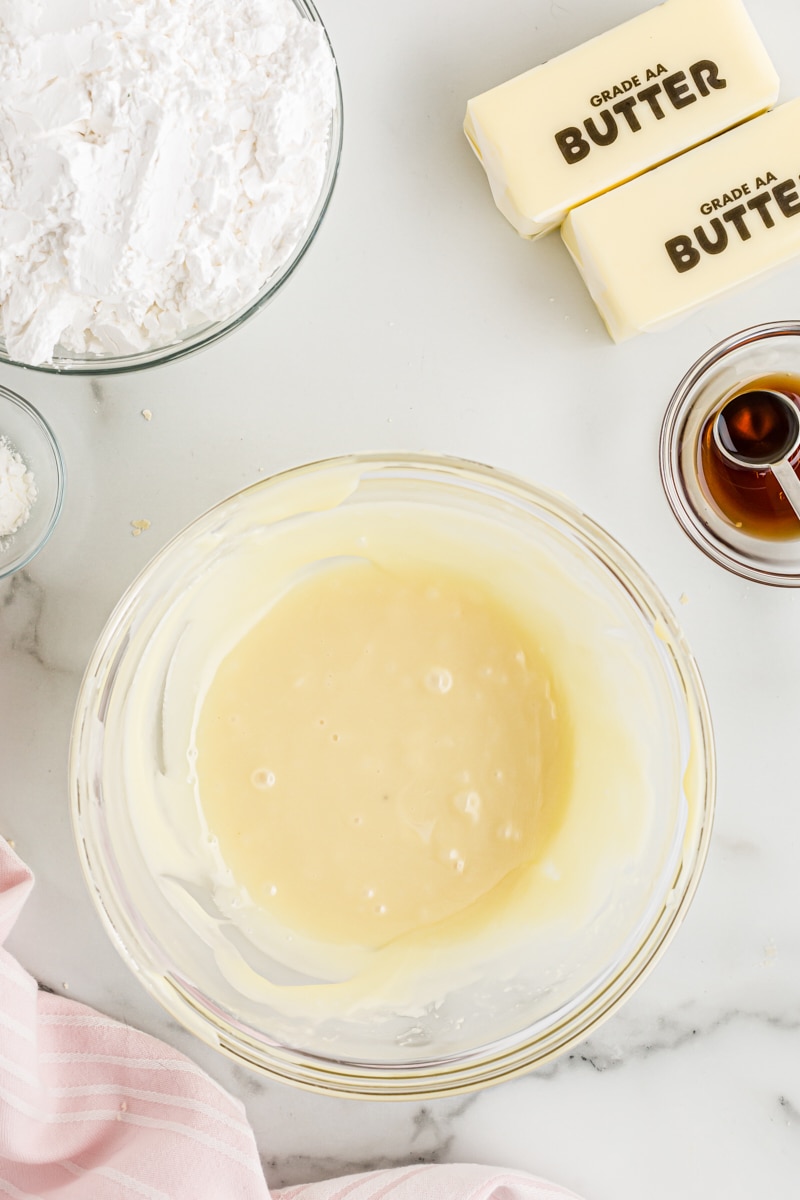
(756, 426)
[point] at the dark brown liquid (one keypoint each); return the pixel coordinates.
(755, 428)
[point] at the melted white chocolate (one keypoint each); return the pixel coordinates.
(404, 626)
(379, 752)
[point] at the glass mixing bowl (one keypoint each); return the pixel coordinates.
(31, 437)
(760, 353)
(65, 362)
(506, 1016)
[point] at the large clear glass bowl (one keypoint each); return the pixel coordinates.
(497, 1024)
(66, 363)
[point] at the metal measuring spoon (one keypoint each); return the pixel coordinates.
(760, 431)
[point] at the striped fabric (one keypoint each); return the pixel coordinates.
(461, 1181)
(94, 1110)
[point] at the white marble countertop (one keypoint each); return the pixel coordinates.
(419, 321)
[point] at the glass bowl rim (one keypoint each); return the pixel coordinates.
(670, 447)
(214, 331)
(506, 1057)
(57, 458)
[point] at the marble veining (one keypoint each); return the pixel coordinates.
(431, 1133)
(22, 605)
(418, 321)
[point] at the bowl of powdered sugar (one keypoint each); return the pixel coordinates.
(31, 482)
(165, 165)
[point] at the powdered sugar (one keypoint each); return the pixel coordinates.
(159, 161)
(17, 491)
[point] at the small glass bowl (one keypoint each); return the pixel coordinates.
(772, 349)
(65, 362)
(33, 439)
(128, 774)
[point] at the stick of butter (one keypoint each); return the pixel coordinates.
(617, 105)
(696, 227)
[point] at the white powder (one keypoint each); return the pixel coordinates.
(17, 491)
(159, 160)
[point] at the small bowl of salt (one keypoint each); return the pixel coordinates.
(32, 478)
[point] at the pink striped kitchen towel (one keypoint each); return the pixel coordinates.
(93, 1110)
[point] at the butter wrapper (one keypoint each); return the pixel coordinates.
(616, 106)
(693, 229)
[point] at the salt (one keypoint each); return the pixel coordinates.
(17, 490)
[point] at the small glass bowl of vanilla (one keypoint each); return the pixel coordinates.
(392, 776)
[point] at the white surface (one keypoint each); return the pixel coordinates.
(419, 321)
